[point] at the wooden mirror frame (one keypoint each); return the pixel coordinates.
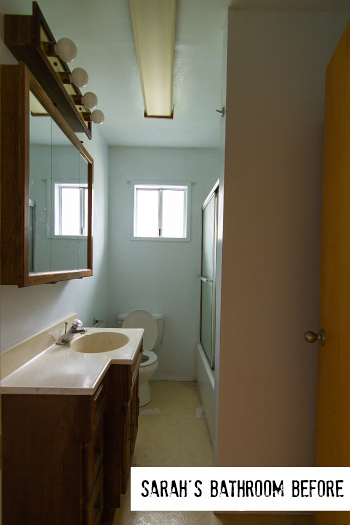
(16, 84)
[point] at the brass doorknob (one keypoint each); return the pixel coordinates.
(311, 337)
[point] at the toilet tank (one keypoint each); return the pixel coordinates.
(160, 323)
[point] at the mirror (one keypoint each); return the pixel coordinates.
(58, 196)
(46, 212)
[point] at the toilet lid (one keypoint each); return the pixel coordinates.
(145, 320)
(152, 359)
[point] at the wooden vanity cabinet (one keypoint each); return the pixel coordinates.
(93, 453)
(121, 425)
(66, 458)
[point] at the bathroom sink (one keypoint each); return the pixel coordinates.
(96, 343)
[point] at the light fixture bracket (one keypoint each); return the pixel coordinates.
(31, 41)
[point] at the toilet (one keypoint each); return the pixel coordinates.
(153, 324)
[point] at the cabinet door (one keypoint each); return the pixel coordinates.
(126, 444)
(42, 460)
(94, 506)
(134, 418)
(120, 430)
(130, 428)
(113, 432)
(93, 459)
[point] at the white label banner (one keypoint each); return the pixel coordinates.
(256, 489)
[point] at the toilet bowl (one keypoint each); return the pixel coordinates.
(153, 325)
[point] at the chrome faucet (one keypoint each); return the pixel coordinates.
(74, 329)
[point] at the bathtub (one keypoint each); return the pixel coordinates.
(205, 385)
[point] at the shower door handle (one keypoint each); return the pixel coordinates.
(205, 279)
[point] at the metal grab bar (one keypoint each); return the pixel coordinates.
(205, 279)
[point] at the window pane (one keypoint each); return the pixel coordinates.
(146, 213)
(70, 211)
(173, 213)
(85, 211)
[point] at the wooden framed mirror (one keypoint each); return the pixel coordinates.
(46, 190)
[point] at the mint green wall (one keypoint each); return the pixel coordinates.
(159, 276)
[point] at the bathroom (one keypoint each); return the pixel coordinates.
(129, 274)
(269, 296)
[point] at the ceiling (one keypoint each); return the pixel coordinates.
(101, 30)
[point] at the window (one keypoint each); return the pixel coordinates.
(161, 211)
(71, 207)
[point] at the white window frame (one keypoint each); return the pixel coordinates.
(57, 225)
(185, 186)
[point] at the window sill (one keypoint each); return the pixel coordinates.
(67, 237)
(160, 239)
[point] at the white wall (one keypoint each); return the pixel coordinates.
(25, 311)
(159, 276)
(271, 236)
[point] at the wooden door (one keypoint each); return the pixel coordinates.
(333, 396)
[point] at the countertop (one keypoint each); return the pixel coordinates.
(60, 370)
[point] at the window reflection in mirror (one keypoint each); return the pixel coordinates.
(58, 193)
(83, 181)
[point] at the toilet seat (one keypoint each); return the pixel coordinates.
(145, 320)
(152, 359)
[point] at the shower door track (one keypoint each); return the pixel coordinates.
(206, 280)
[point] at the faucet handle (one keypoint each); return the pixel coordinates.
(65, 327)
(77, 323)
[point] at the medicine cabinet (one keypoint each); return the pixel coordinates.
(46, 187)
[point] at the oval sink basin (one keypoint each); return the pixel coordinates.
(96, 343)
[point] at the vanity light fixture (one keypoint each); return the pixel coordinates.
(97, 116)
(78, 77)
(65, 49)
(89, 100)
(153, 25)
(30, 40)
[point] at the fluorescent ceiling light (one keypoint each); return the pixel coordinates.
(153, 24)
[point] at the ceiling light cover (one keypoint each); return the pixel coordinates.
(153, 24)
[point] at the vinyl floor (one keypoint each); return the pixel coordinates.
(176, 437)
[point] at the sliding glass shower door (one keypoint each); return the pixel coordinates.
(208, 274)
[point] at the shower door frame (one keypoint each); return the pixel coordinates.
(213, 193)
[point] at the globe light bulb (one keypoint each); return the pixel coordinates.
(79, 77)
(97, 116)
(66, 50)
(90, 100)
